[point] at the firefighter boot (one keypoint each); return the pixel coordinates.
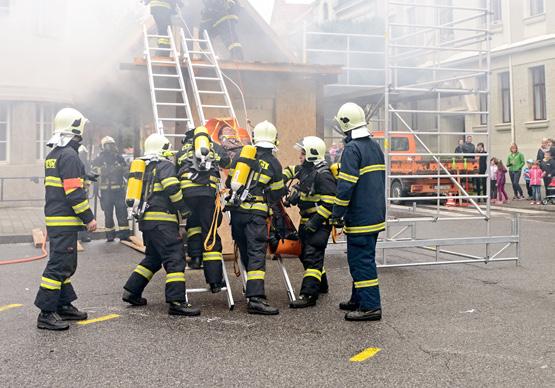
(132, 299)
(110, 235)
(260, 306)
(51, 321)
(364, 315)
(195, 263)
(183, 308)
(216, 287)
(304, 301)
(348, 306)
(69, 312)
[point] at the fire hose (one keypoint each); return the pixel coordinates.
(29, 259)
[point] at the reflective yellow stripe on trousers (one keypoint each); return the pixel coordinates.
(255, 275)
(175, 277)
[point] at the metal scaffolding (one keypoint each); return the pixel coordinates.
(433, 62)
(424, 42)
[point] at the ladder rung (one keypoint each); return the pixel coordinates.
(166, 75)
(207, 78)
(171, 103)
(158, 36)
(210, 92)
(200, 52)
(216, 106)
(195, 40)
(173, 119)
(163, 62)
(202, 65)
(159, 49)
(167, 90)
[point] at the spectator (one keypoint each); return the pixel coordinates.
(468, 148)
(515, 163)
(536, 175)
(501, 179)
(526, 173)
(460, 146)
(548, 167)
(493, 178)
(543, 158)
(480, 182)
(545, 146)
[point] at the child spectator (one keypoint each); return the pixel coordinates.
(526, 172)
(501, 180)
(493, 178)
(536, 175)
(548, 167)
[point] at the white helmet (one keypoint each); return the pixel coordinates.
(68, 123)
(157, 145)
(264, 135)
(351, 117)
(314, 148)
(107, 140)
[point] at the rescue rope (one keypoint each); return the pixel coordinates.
(29, 259)
(210, 240)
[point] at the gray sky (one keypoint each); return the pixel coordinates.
(264, 7)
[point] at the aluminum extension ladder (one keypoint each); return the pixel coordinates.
(286, 280)
(164, 97)
(170, 68)
(207, 81)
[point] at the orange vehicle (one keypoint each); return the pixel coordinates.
(402, 167)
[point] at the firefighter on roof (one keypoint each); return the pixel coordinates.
(198, 165)
(314, 195)
(160, 210)
(256, 184)
(67, 210)
(360, 204)
(220, 18)
(162, 11)
(111, 167)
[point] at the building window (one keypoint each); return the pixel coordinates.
(44, 120)
(482, 87)
(446, 17)
(538, 82)
(505, 81)
(5, 7)
(4, 131)
(537, 7)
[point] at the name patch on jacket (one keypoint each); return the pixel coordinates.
(50, 163)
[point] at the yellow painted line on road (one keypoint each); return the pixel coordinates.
(365, 354)
(99, 319)
(10, 306)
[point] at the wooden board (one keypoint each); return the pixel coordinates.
(38, 237)
(80, 247)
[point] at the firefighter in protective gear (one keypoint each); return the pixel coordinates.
(200, 186)
(314, 195)
(360, 203)
(220, 18)
(67, 211)
(248, 217)
(111, 167)
(159, 223)
(162, 11)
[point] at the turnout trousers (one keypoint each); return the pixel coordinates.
(111, 200)
(56, 289)
(164, 247)
(361, 255)
(198, 227)
(250, 233)
(162, 16)
(312, 257)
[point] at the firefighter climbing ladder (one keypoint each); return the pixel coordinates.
(165, 98)
(207, 80)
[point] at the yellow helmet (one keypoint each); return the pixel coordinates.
(157, 145)
(350, 116)
(314, 148)
(264, 135)
(69, 121)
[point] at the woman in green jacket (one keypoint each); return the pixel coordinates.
(515, 163)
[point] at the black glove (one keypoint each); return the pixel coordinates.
(337, 222)
(185, 213)
(313, 224)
